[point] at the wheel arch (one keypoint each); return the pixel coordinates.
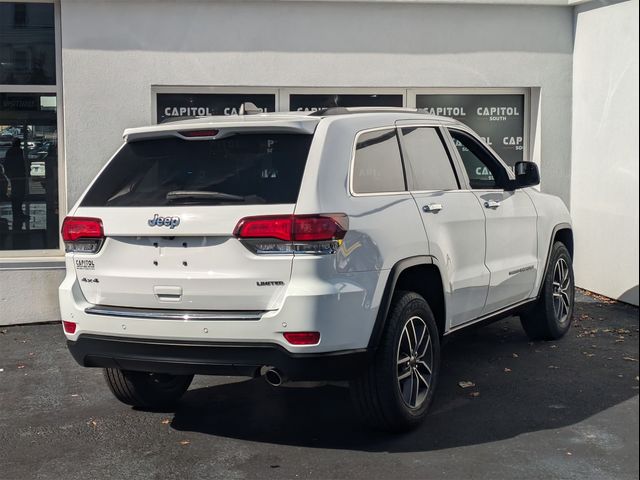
(417, 274)
(563, 232)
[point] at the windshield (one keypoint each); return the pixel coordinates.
(240, 169)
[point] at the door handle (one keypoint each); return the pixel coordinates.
(432, 207)
(491, 204)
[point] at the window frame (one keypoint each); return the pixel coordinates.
(455, 166)
(352, 163)
(44, 258)
(509, 175)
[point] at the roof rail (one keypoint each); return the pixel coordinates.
(351, 110)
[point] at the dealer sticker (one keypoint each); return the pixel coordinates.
(85, 264)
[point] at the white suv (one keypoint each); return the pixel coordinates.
(338, 245)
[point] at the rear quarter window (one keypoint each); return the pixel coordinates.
(246, 169)
(377, 164)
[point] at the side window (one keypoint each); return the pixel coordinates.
(377, 166)
(483, 170)
(428, 160)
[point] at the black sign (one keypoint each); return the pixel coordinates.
(498, 119)
(176, 105)
(312, 102)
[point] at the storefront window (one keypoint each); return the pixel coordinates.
(28, 171)
(27, 44)
(498, 118)
(177, 106)
(318, 101)
(29, 201)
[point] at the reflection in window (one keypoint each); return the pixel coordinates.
(27, 44)
(377, 166)
(28, 171)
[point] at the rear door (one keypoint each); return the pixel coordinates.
(511, 226)
(169, 207)
(453, 220)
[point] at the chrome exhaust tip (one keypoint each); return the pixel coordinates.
(273, 377)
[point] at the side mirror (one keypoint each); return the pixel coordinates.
(527, 174)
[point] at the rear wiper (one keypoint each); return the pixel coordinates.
(199, 194)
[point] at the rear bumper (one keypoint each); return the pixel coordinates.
(185, 358)
(343, 311)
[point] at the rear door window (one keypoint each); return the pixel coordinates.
(377, 166)
(242, 169)
(428, 160)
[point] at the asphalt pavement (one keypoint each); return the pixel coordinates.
(565, 409)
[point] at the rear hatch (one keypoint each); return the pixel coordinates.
(169, 207)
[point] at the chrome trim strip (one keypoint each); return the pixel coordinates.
(166, 314)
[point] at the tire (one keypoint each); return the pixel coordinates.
(550, 318)
(381, 397)
(146, 390)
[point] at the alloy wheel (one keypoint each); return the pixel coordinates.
(561, 290)
(415, 362)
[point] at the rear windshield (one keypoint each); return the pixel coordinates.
(242, 169)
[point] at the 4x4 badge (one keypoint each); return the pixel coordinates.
(158, 221)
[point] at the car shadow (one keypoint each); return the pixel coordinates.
(520, 387)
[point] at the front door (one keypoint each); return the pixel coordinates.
(511, 224)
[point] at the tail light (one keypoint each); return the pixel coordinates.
(304, 234)
(82, 234)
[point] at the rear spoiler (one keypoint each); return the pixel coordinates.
(251, 124)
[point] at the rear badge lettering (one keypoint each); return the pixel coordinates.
(273, 283)
(90, 280)
(158, 221)
(85, 264)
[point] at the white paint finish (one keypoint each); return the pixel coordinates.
(341, 310)
(215, 271)
(551, 213)
(288, 44)
(338, 294)
(457, 241)
(29, 296)
(604, 185)
(512, 245)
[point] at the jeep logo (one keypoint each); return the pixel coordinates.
(158, 221)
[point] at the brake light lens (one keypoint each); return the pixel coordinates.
(310, 234)
(199, 133)
(82, 234)
(302, 338)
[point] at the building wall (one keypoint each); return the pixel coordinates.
(29, 295)
(113, 52)
(111, 57)
(604, 185)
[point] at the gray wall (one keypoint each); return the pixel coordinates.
(112, 55)
(29, 295)
(604, 186)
